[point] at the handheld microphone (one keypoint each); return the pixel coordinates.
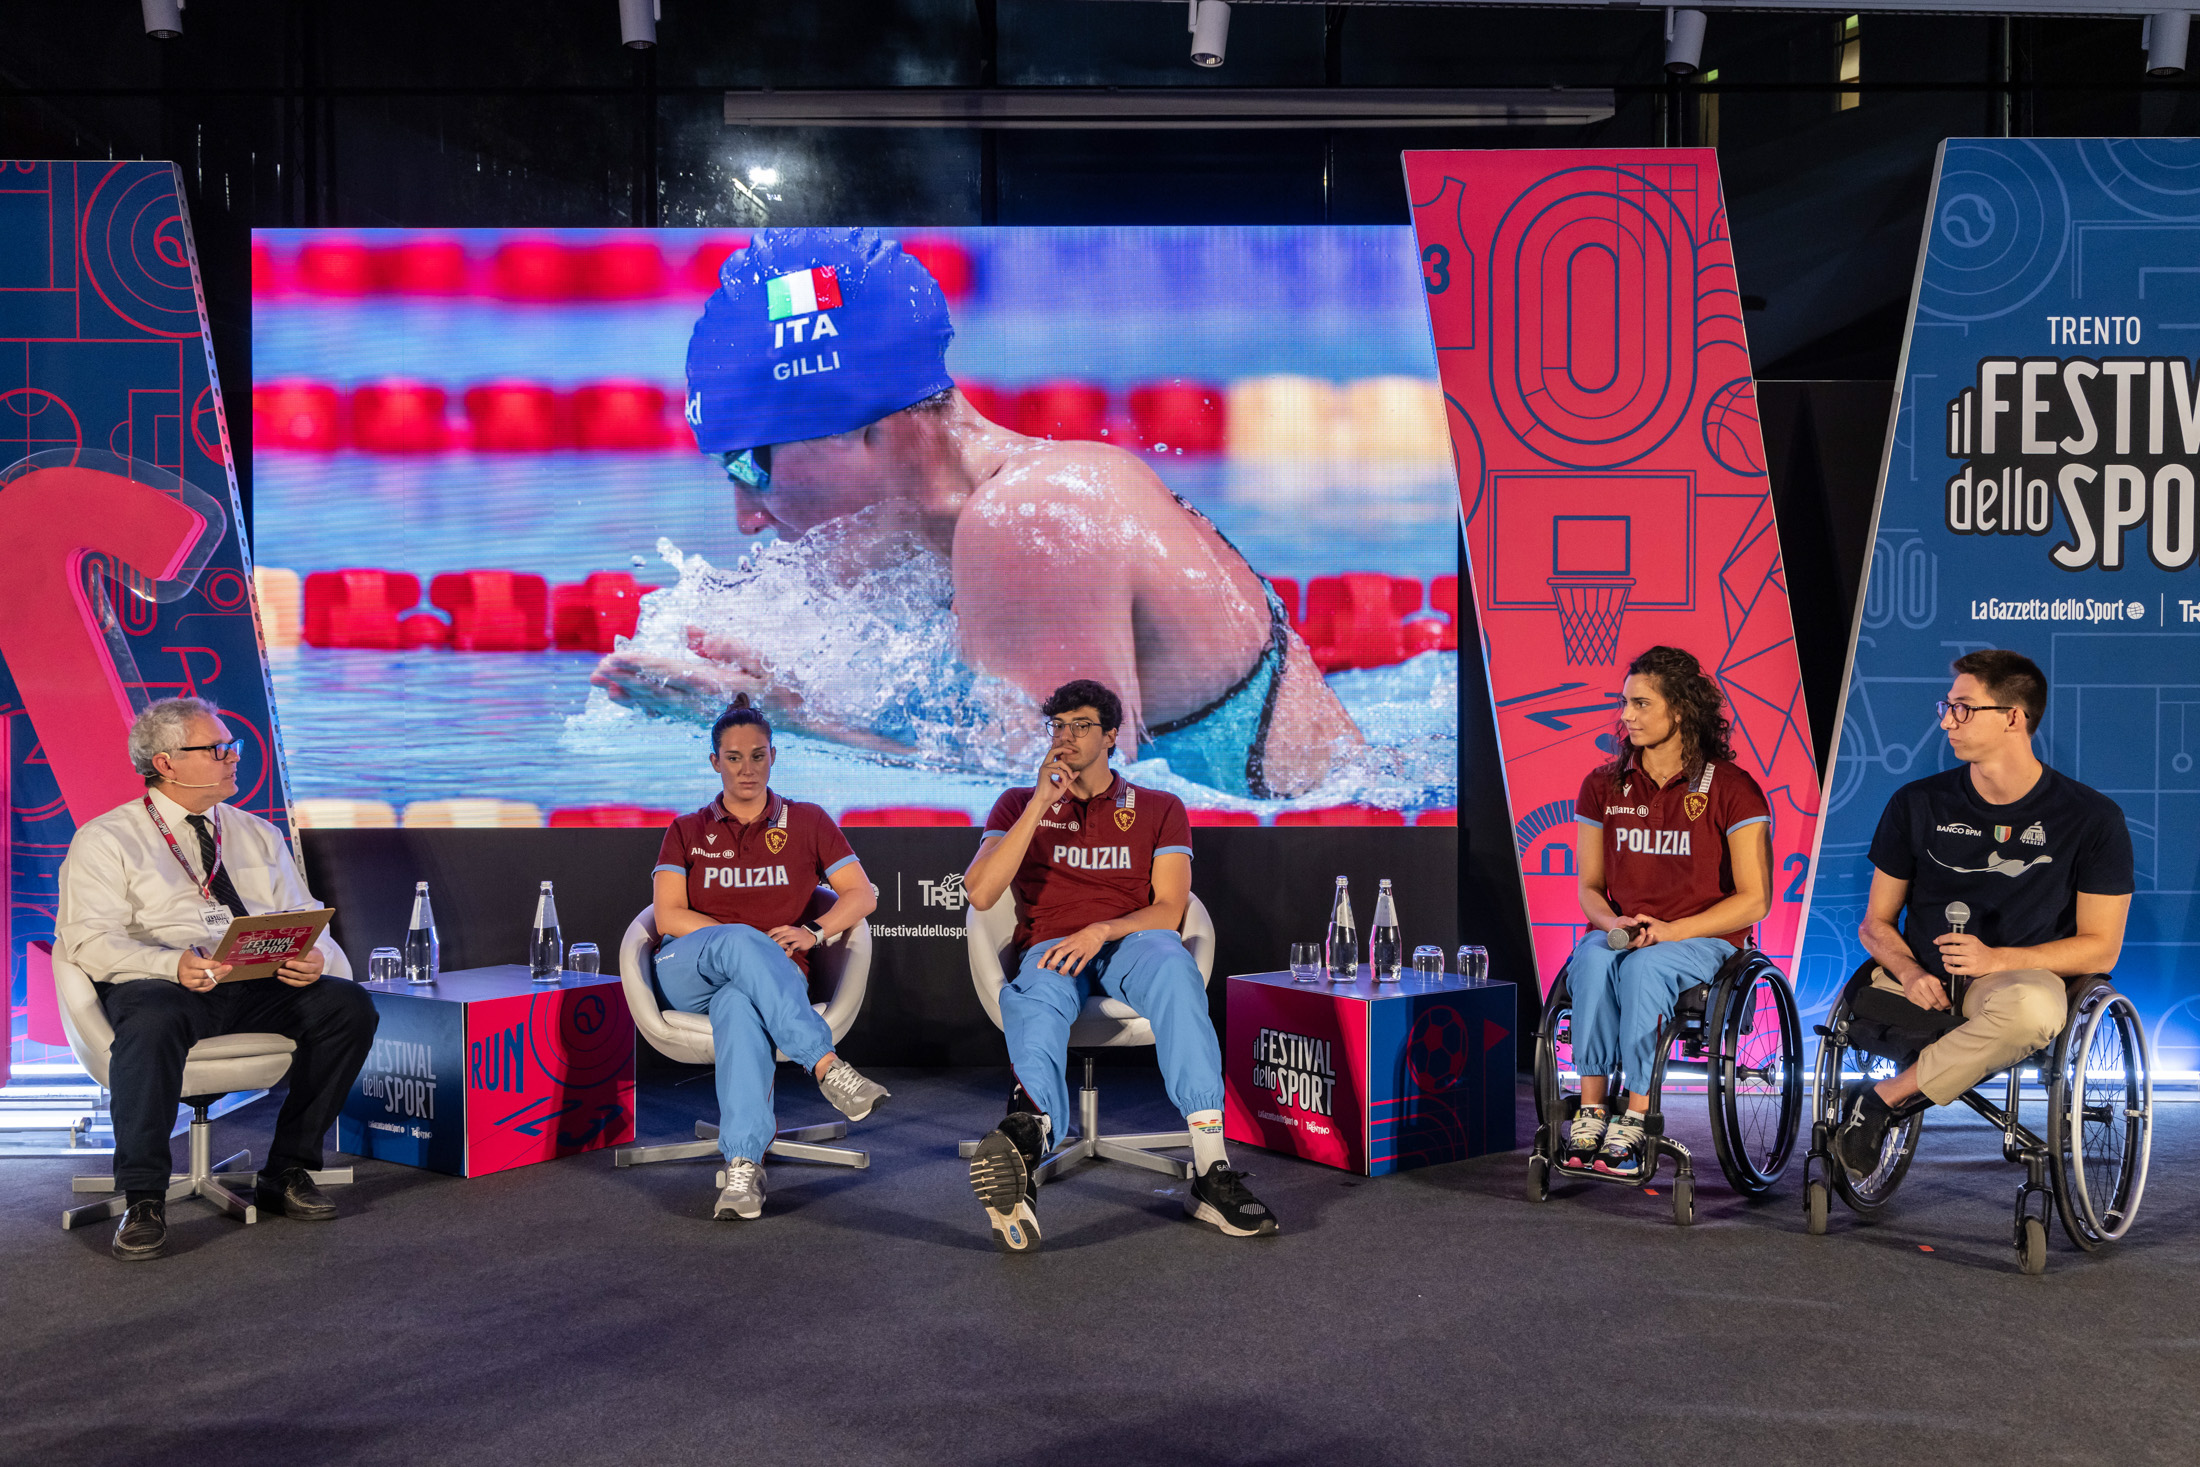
(1958, 913)
(187, 784)
(1617, 938)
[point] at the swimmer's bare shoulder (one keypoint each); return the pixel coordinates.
(1081, 499)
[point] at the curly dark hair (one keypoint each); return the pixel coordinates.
(1085, 693)
(1697, 705)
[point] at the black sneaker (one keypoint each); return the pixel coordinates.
(1862, 1140)
(143, 1233)
(1218, 1198)
(1000, 1173)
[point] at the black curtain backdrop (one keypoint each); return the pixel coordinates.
(1265, 889)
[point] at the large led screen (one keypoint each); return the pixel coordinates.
(1209, 466)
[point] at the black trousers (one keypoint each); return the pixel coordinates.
(157, 1022)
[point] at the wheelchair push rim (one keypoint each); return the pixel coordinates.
(1756, 1077)
(2101, 1117)
(1864, 1194)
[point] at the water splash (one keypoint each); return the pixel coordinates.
(855, 623)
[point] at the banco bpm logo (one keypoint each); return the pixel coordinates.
(946, 892)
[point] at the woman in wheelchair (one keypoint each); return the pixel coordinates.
(1674, 855)
(2008, 878)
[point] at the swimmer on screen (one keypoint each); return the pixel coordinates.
(817, 376)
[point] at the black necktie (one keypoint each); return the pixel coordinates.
(223, 891)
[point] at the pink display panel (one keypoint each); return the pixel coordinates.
(1612, 480)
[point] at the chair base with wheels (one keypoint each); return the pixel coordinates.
(1740, 1034)
(207, 1180)
(1139, 1149)
(796, 1143)
(2090, 1167)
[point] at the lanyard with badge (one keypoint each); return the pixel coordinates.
(214, 914)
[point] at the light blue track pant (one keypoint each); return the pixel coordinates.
(757, 1000)
(1619, 997)
(1151, 971)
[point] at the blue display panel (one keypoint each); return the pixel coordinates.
(429, 406)
(2038, 495)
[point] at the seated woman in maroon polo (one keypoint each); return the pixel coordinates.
(731, 884)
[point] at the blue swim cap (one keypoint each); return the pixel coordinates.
(813, 332)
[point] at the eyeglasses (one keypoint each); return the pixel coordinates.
(1962, 711)
(1075, 727)
(228, 749)
(752, 467)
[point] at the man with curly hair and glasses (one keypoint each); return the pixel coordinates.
(1100, 870)
(1674, 852)
(2041, 866)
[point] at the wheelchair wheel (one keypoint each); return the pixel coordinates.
(1684, 1202)
(1756, 1074)
(2100, 1122)
(1840, 1064)
(1539, 1179)
(1554, 1058)
(2032, 1247)
(1817, 1203)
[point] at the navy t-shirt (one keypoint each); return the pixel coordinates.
(2019, 867)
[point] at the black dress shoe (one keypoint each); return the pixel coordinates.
(143, 1232)
(292, 1194)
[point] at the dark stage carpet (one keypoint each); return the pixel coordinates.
(575, 1313)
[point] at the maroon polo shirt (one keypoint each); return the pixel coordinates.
(1090, 860)
(1665, 850)
(759, 874)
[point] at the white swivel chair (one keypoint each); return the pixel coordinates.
(844, 961)
(215, 1067)
(1105, 1023)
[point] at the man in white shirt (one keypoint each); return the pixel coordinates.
(146, 891)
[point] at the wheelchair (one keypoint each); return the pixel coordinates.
(2092, 1163)
(1738, 1033)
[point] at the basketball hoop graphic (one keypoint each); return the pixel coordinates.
(1591, 557)
(1590, 609)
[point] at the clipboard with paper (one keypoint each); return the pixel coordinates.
(256, 946)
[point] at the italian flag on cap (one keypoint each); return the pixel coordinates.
(802, 293)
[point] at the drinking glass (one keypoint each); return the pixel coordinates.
(1474, 964)
(583, 957)
(1428, 962)
(1306, 961)
(385, 965)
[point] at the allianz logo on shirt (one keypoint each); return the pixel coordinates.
(1057, 825)
(1642, 810)
(1094, 858)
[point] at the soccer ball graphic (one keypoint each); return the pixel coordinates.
(1436, 1051)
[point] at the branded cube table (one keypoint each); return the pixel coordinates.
(1369, 1077)
(485, 1070)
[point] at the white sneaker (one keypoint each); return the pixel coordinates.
(741, 1190)
(851, 1094)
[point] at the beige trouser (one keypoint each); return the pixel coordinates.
(2006, 1017)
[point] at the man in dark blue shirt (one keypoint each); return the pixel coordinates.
(2008, 878)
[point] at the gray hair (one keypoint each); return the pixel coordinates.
(160, 730)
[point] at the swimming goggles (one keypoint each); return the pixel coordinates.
(751, 466)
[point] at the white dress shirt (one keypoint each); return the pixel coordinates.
(127, 908)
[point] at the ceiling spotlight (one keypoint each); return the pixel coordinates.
(637, 22)
(1210, 27)
(163, 18)
(763, 177)
(2164, 36)
(1683, 41)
